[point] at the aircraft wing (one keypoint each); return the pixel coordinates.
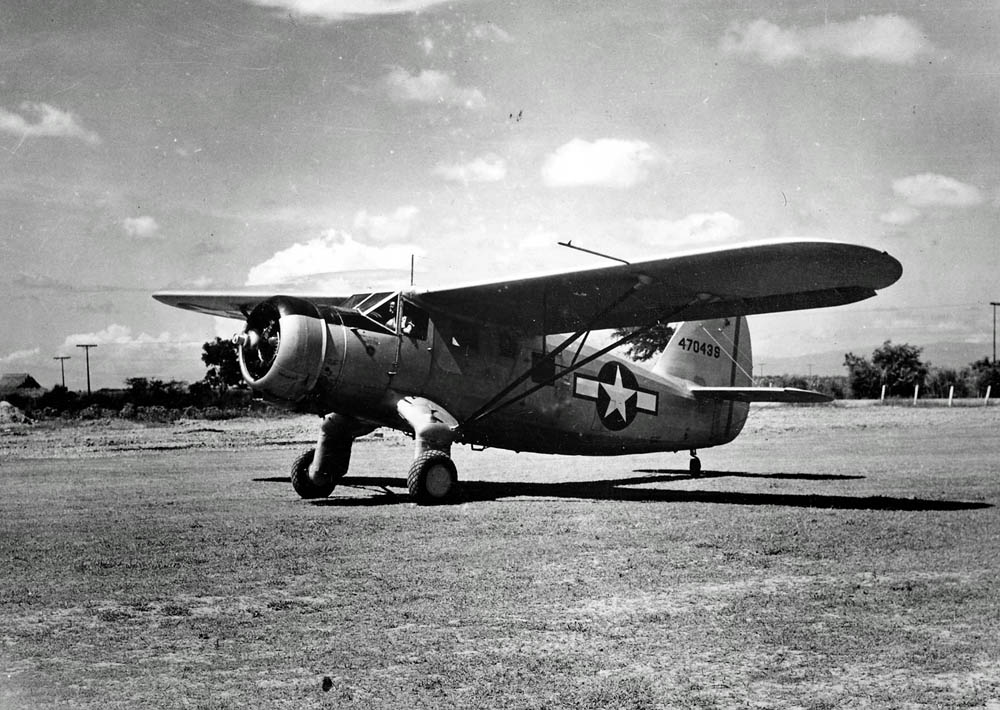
(756, 278)
(235, 304)
(761, 394)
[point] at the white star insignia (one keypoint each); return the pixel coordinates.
(618, 396)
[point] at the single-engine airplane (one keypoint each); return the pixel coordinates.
(505, 364)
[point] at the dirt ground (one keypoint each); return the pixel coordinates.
(835, 556)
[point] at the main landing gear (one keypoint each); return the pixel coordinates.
(432, 478)
(695, 466)
(316, 472)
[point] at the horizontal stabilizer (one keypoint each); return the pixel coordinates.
(761, 394)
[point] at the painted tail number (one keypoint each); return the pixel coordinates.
(700, 347)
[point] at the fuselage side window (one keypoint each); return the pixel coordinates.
(506, 344)
(465, 335)
(414, 323)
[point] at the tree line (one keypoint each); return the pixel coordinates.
(222, 391)
(901, 371)
(898, 367)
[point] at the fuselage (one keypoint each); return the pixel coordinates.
(608, 406)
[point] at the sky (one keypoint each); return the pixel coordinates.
(266, 143)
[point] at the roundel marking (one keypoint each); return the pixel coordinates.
(616, 395)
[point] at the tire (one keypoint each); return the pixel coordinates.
(305, 486)
(433, 478)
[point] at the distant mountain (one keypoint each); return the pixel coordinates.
(831, 362)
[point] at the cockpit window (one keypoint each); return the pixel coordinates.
(413, 323)
(382, 311)
(365, 301)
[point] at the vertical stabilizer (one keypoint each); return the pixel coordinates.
(710, 353)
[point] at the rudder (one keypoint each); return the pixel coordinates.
(710, 353)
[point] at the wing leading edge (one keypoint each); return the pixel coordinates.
(235, 304)
(756, 278)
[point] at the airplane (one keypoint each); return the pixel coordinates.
(506, 363)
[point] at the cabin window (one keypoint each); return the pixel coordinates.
(414, 323)
(506, 344)
(543, 368)
(465, 335)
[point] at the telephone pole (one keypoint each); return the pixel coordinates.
(62, 366)
(994, 304)
(86, 349)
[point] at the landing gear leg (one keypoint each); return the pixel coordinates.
(432, 478)
(316, 472)
(695, 465)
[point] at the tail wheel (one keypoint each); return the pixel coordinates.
(305, 486)
(433, 478)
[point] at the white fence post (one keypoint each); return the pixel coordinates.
(986, 401)
(882, 397)
(951, 394)
(916, 393)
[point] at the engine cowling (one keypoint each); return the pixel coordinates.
(283, 349)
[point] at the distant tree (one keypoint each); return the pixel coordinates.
(901, 367)
(646, 346)
(223, 365)
(59, 398)
(140, 390)
(985, 373)
(864, 380)
(940, 381)
(145, 392)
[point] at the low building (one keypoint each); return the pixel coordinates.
(20, 384)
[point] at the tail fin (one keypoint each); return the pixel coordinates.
(710, 353)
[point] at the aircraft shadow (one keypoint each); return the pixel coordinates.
(679, 473)
(617, 490)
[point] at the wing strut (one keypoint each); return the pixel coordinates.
(492, 407)
(547, 358)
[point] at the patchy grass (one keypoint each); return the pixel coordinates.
(850, 562)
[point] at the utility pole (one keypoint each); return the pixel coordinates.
(86, 349)
(994, 304)
(62, 366)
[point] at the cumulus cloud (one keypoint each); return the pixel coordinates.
(19, 356)
(431, 86)
(393, 227)
(332, 251)
(486, 168)
(606, 162)
(929, 189)
(900, 216)
(140, 227)
(41, 120)
(884, 38)
(694, 230)
(116, 334)
(345, 9)
(490, 32)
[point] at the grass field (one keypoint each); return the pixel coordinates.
(831, 557)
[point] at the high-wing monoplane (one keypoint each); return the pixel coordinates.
(506, 364)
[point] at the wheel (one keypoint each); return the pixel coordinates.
(303, 484)
(433, 478)
(695, 466)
